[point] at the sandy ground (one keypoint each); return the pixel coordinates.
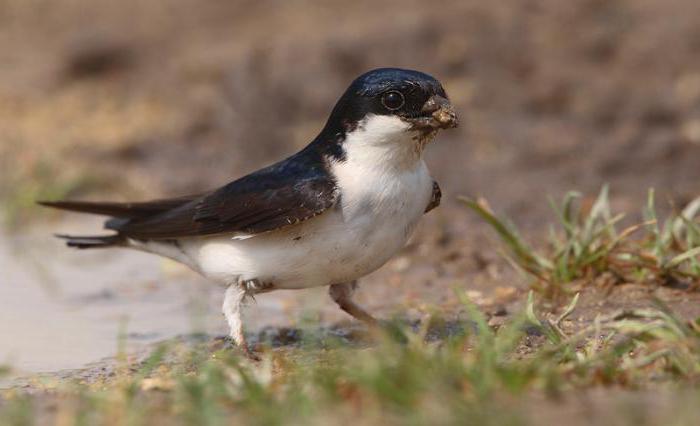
(133, 100)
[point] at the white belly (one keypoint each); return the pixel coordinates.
(374, 219)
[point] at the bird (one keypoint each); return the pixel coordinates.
(329, 214)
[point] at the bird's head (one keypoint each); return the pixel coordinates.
(392, 107)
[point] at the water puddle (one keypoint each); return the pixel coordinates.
(62, 308)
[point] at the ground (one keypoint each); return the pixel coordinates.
(133, 100)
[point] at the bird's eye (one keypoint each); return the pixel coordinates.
(393, 100)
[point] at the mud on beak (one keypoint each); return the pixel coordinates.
(437, 113)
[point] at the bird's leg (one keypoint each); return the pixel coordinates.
(342, 295)
(233, 301)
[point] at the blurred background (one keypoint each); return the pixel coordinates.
(139, 99)
(133, 99)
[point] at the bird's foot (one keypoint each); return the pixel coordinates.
(249, 353)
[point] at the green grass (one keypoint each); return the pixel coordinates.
(590, 245)
(479, 376)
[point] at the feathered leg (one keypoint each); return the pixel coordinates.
(233, 301)
(342, 295)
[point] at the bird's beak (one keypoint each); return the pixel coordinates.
(437, 113)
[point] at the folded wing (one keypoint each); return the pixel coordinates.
(283, 194)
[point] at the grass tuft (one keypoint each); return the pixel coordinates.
(590, 245)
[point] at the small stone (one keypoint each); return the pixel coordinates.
(505, 294)
(157, 383)
(401, 264)
(501, 311)
(496, 321)
(691, 131)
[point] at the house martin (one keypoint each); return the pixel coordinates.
(331, 213)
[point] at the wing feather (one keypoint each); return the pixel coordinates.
(283, 194)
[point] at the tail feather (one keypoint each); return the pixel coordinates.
(121, 213)
(98, 241)
(107, 209)
(122, 210)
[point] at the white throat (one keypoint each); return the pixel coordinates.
(383, 173)
(385, 142)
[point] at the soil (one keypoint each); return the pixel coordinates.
(552, 96)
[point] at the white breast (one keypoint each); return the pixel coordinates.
(385, 187)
